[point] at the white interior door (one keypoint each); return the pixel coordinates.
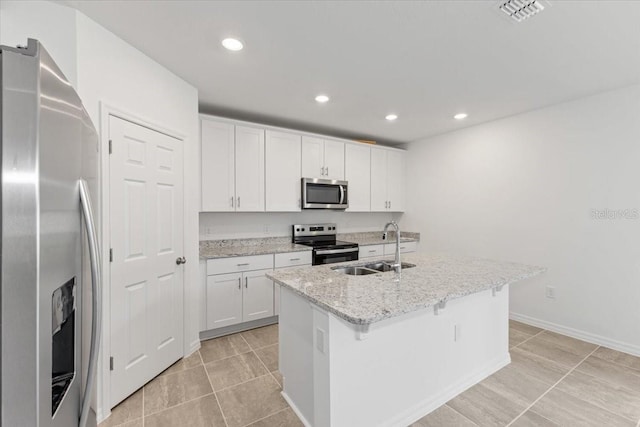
(146, 220)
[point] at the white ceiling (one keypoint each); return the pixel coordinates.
(424, 61)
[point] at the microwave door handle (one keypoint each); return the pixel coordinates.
(341, 194)
(96, 297)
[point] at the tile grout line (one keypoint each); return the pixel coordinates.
(143, 417)
(459, 413)
(270, 372)
(215, 395)
(552, 387)
(264, 418)
(531, 337)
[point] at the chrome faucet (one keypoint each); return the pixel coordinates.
(397, 265)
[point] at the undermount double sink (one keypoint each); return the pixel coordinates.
(373, 268)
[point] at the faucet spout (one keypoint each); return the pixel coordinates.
(397, 265)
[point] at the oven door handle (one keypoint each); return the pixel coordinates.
(336, 251)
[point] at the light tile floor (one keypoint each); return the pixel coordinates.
(553, 381)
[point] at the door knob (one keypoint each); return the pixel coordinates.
(181, 260)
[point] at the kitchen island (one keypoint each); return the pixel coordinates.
(384, 350)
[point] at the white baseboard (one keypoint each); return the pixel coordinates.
(295, 409)
(193, 347)
(578, 334)
(429, 405)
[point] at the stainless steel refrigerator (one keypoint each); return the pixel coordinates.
(49, 305)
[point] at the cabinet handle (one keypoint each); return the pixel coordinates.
(246, 282)
(239, 283)
(238, 201)
(389, 204)
(327, 171)
(322, 170)
(294, 259)
(232, 203)
(372, 250)
(243, 264)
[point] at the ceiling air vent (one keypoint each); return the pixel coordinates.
(519, 10)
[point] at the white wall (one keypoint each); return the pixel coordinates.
(52, 24)
(237, 225)
(112, 72)
(524, 189)
(105, 70)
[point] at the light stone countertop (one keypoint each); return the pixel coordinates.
(368, 299)
(375, 237)
(274, 245)
(246, 247)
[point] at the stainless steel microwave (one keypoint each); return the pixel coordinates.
(324, 194)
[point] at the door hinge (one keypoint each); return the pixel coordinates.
(111, 363)
(110, 146)
(110, 254)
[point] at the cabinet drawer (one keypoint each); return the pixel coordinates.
(241, 263)
(371, 250)
(291, 259)
(390, 248)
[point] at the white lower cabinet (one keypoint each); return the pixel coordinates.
(238, 296)
(257, 298)
(224, 300)
(370, 251)
(405, 247)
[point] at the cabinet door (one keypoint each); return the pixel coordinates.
(249, 169)
(218, 183)
(257, 295)
(282, 170)
(357, 163)
(224, 300)
(379, 200)
(312, 157)
(333, 159)
(395, 180)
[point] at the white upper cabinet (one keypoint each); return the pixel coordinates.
(282, 166)
(232, 167)
(218, 166)
(379, 199)
(249, 169)
(334, 159)
(387, 180)
(357, 163)
(395, 180)
(322, 158)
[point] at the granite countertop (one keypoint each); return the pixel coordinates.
(274, 245)
(375, 237)
(437, 278)
(245, 247)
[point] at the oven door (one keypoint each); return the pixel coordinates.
(324, 194)
(330, 256)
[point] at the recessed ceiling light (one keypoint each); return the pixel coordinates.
(460, 116)
(391, 117)
(322, 99)
(232, 44)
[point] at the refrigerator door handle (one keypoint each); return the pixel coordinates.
(96, 300)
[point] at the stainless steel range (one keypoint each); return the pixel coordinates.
(326, 249)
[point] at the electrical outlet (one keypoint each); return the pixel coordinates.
(550, 292)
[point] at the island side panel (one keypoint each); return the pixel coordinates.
(296, 354)
(408, 366)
